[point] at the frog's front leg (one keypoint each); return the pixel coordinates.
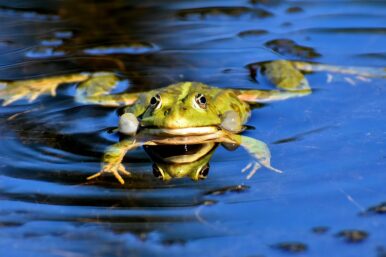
(259, 152)
(112, 159)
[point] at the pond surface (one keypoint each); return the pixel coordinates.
(331, 145)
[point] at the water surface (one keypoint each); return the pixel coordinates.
(330, 144)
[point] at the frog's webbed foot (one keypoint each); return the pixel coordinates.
(112, 168)
(112, 159)
(360, 73)
(11, 91)
(259, 152)
(290, 83)
(97, 90)
(254, 166)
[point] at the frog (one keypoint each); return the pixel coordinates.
(184, 114)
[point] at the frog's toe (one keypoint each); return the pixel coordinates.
(7, 100)
(252, 167)
(95, 175)
(123, 170)
(247, 167)
(112, 169)
(118, 177)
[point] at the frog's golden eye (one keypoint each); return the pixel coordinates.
(201, 101)
(155, 101)
(203, 173)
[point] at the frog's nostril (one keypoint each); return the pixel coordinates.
(167, 111)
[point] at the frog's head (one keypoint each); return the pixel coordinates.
(178, 161)
(183, 109)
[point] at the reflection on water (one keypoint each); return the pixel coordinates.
(329, 201)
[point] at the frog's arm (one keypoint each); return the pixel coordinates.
(285, 76)
(112, 159)
(94, 88)
(257, 149)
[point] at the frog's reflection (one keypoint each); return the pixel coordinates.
(177, 161)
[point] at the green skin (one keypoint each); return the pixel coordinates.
(174, 115)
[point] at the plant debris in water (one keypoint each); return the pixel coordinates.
(320, 230)
(229, 189)
(378, 209)
(353, 235)
(289, 47)
(293, 247)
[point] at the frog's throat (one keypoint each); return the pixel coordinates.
(192, 131)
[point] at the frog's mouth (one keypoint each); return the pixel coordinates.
(190, 131)
(178, 153)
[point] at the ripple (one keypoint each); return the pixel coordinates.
(42, 52)
(347, 30)
(51, 42)
(222, 12)
(27, 14)
(133, 48)
(63, 34)
(252, 33)
(228, 189)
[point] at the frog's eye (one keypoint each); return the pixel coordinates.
(155, 101)
(203, 173)
(157, 172)
(201, 101)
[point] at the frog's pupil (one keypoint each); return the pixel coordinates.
(153, 100)
(201, 100)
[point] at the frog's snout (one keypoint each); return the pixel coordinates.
(176, 117)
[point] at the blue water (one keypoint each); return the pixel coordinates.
(330, 144)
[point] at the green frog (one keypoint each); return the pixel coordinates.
(191, 116)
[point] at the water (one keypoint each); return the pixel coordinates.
(330, 144)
